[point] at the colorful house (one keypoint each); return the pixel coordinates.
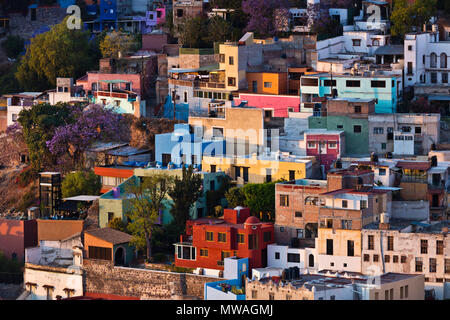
(110, 245)
(273, 105)
(326, 146)
(16, 236)
(208, 242)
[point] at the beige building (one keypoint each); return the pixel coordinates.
(424, 127)
(410, 248)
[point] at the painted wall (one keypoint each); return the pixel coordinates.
(280, 104)
(16, 235)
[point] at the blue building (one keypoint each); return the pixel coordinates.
(184, 146)
(384, 88)
(236, 272)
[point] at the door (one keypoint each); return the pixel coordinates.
(255, 86)
(323, 147)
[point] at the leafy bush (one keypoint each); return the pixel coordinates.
(80, 182)
(118, 224)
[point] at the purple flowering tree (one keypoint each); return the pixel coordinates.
(93, 123)
(265, 15)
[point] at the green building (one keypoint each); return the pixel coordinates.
(116, 204)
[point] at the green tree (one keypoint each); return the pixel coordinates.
(219, 30)
(193, 32)
(146, 201)
(60, 52)
(406, 15)
(116, 42)
(260, 198)
(39, 123)
(80, 183)
(235, 197)
(118, 224)
(186, 191)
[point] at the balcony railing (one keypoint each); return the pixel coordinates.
(220, 263)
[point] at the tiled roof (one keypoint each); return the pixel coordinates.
(414, 165)
(110, 235)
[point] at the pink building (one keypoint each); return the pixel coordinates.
(274, 105)
(326, 146)
(16, 235)
(160, 15)
(90, 81)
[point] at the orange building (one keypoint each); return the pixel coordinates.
(268, 82)
(208, 242)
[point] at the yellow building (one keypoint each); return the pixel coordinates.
(253, 169)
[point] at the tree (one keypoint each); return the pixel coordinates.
(235, 197)
(324, 26)
(118, 224)
(193, 31)
(80, 183)
(260, 198)
(146, 201)
(60, 52)
(13, 46)
(219, 30)
(90, 124)
(406, 15)
(186, 191)
(116, 42)
(263, 17)
(38, 125)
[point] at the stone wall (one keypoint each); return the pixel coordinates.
(102, 277)
(45, 17)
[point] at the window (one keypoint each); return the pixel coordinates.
(254, 294)
(232, 81)
(298, 214)
(100, 253)
(209, 236)
(277, 256)
(330, 247)
(401, 292)
(217, 133)
(391, 294)
(311, 145)
(418, 130)
(252, 242)
(433, 77)
(357, 109)
(281, 229)
(332, 145)
(332, 297)
(110, 216)
(231, 61)
(340, 126)
(221, 58)
(403, 259)
(424, 246)
(291, 175)
(375, 42)
(346, 224)
(395, 259)
(350, 248)
(381, 172)
(357, 129)
(185, 96)
(410, 48)
(213, 168)
(375, 258)
(390, 245)
(378, 130)
(419, 264)
(387, 258)
(378, 84)
(377, 296)
(370, 242)
(222, 237)
(410, 68)
(447, 266)
(406, 291)
(444, 77)
(439, 247)
(366, 257)
(344, 204)
(293, 257)
(267, 84)
(356, 42)
(433, 265)
(363, 204)
(203, 252)
(271, 296)
(353, 83)
(433, 60)
(14, 117)
(267, 236)
(329, 83)
(284, 200)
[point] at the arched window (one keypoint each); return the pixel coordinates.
(433, 60)
(311, 261)
(443, 60)
(375, 42)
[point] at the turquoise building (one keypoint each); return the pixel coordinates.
(385, 89)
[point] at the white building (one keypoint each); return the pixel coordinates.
(18, 102)
(53, 270)
(279, 256)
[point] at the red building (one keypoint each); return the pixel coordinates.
(208, 241)
(16, 236)
(326, 146)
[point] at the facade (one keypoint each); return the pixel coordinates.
(53, 270)
(260, 169)
(16, 103)
(208, 242)
(409, 248)
(326, 146)
(66, 92)
(339, 286)
(273, 105)
(113, 176)
(386, 130)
